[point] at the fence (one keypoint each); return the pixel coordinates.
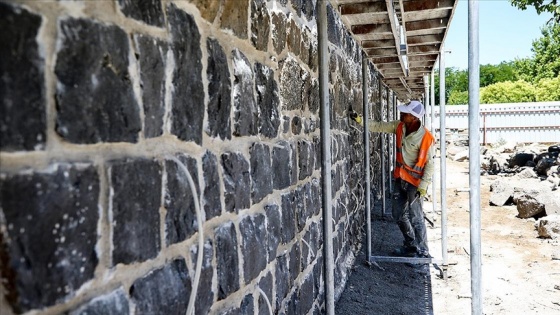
(518, 122)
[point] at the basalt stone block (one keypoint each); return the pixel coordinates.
(288, 217)
(181, 220)
(278, 31)
(309, 9)
(297, 125)
(294, 37)
(187, 108)
(299, 205)
(274, 229)
(227, 262)
(304, 44)
(261, 172)
(291, 306)
(135, 202)
(211, 194)
(305, 161)
(235, 17)
(297, 6)
(295, 262)
(333, 29)
(306, 295)
(152, 57)
(22, 92)
(318, 152)
(49, 223)
(219, 91)
(94, 97)
(112, 303)
(148, 11)
(237, 182)
(282, 165)
(313, 97)
(253, 247)
(285, 124)
(265, 284)
(268, 101)
(283, 279)
(163, 291)
(291, 85)
(247, 305)
(246, 112)
(205, 293)
(260, 25)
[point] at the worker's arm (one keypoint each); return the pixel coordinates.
(376, 126)
(428, 171)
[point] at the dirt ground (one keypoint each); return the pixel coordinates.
(520, 272)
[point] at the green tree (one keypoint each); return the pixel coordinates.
(548, 90)
(541, 6)
(508, 92)
(458, 98)
(504, 71)
(545, 62)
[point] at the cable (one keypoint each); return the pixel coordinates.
(190, 308)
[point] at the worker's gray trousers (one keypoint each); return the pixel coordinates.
(410, 219)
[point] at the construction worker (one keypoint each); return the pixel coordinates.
(413, 173)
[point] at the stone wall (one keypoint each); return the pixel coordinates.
(165, 156)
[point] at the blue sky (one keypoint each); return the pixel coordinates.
(505, 33)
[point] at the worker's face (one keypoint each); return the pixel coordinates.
(407, 118)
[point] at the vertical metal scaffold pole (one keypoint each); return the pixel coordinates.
(366, 150)
(474, 160)
(383, 177)
(326, 156)
(432, 130)
(442, 154)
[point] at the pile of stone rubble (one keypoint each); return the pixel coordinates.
(527, 176)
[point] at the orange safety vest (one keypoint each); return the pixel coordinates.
(414, 174)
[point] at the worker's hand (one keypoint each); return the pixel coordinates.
(355, 117)
(421, 192)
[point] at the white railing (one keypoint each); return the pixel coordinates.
(517, 122)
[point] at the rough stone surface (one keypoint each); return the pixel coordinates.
(22, 92)
(295, 262)
(549, 226)
(253, 246)
(273, 229)
(43, 263)
(219, 91)
(278, 31)
(260, 25)
(237, 182)
(261, 171)
(299, 205)
(112, 303)
(520, 159)
(148, 11)
(268, 101)
(282, 165)
(291, 85)
(164, 290)
(247, 305)
(235, 17)
(181, 221)
(283, 279)
(135, 204)
(293, 39)
(501, 192)
(187, 106)
(211, 194)
(527, 206)
(152, 59)
(227, 261)
(288, 217)
(205, 293)
(306, 295)
(94, 97)
(265, 284)
(246, 111)
(296, 125)
(306, 159)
